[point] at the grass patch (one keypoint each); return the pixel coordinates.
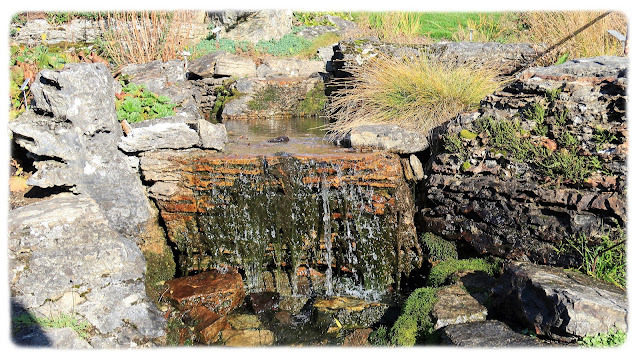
(416, 94)
(604, 258)
(25, 320)
(443, 270)
(264, 99)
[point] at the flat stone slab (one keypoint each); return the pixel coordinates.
(219, 292)
(490, 333)
(349, 312)
(390, 138)
(247, 338)
(160, 136)
(455, 306)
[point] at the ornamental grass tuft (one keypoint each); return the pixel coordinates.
(417, 94)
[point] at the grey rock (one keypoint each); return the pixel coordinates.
(204, 66)
(341, 23)
(77, 138)
(75, 31)
(253, 26)
(64, 245)
(55, 338)
(311, 32)
(212, 135)
(490, 333)
(455, 306)
(560, 303)
(390, 138)
(156, 74)
(290, 67)
(601, 66)
(236, 107)
(416, 166)
(167, 134)
(234, 65)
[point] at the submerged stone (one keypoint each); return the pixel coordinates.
(218, 292)
(347, 312)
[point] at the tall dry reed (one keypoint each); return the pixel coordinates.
(413, 93)
(549, 27)
(144, 36)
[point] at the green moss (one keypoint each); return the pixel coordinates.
(265, 99)
(438, 249)
(414, 326)
(466, 134)
(378, 337)
(443, 270)
(25, 320)
(313, 103)
(160, 268)
(465, 166)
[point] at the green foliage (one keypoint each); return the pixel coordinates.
(562, 59)
(64, 320)
(603, 136)
(613, 338)
(604, 258)
(314, 18)
(465, 165)
(441, 271)
(439, 249)
(287, 45)
(40, 55)
(212, 45)
(538, 113)
(378, 337)
(223, 95)
(452, 143)
(414, 324)
(564, 164)
(139, 104)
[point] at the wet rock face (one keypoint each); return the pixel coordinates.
(262, 213)
(521, 203)
(558, 303)
(490, 333)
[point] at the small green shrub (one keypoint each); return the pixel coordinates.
(439, 249)
(452, 143)
(613, 338)
(414, 324)
(139, 104)
(538, 114)
(443, 270)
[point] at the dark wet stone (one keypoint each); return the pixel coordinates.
(490, 333)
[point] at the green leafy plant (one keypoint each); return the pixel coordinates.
(264, 99)
(138, 104)
(442, 271)
(613, 338)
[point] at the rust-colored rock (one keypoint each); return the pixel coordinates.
(218, 292)
(247, 338)
(209, 324)
(358, 338)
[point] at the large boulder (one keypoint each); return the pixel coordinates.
(253, 26)
(73, 132)
(559, 303)
(64, 258)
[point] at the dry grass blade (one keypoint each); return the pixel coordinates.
(549, 27)
(414, 93)
(145, 36)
